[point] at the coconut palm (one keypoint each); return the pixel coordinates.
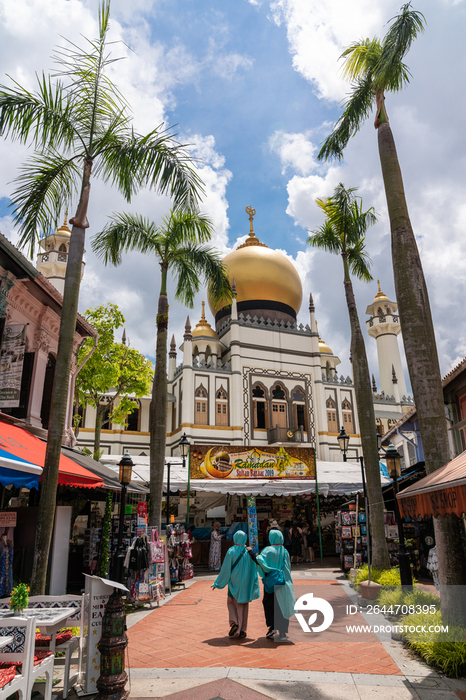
(179, 247)
(343, 233)
(79, 123)
(375, 67)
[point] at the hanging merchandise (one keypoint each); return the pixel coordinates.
(187, 570)
(179, 551)
(6, 561)
(156, 548)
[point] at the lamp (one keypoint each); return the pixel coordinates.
(393, 461)
(126, 466)
(379, 440)
(343, 441)
(184, 449)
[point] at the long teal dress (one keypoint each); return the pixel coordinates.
(273, 557)
(243, 583)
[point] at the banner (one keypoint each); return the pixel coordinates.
(252, 524)
(11, 364)
(232, 462)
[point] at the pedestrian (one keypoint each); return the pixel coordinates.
(286, 535)
(278, 603)
(273, 526)
(265, 527)
(308, 545)
(215, 550)
(296, 540)
(240, 574)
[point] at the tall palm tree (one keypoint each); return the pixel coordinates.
(343, 233)
(79, 123)
(179, 247)
(375, 67)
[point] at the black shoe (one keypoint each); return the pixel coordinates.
(271, 633)
(233, 630)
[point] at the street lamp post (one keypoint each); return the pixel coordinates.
(168, 494)
(394, 470)
(184, 449)
(343, 441)
(126, 465)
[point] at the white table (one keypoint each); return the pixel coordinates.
(4, 641)
(49, 620)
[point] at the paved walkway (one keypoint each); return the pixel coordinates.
(181, 651)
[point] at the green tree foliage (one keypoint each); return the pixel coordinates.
(178, 246)
(79, 126)
(343, 233)
(114, 373)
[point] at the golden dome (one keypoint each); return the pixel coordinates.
(261, 274)
(323, 347)
(64, 229)
(380, 296)
(204, 328)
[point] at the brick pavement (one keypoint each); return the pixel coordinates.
(191, 631)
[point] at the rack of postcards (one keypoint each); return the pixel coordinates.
(92, 540)
(351, 537)
(179, 554)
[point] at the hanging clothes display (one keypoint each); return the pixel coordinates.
(6, 562)
(179, 554)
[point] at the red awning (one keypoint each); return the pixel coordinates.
(21, 443)
(438, 494)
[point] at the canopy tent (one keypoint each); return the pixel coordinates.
(108, 476)
(16, 472)
(438, 494)
(18, 442)
(333, 479)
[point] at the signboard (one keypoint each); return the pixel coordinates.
(232, 462)
(252, 524)
(436, 503)
(11, 364)
(8, 518)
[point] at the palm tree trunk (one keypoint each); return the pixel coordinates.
(48, 494)
(421, 355)
(158, 409)
(366, 418)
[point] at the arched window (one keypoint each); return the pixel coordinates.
(347, 412)
(221, 407)
(201, 408)
(260, 407)
(300, 416)
(132, 420)
(332, 423)
(62, 248)
(279, 405)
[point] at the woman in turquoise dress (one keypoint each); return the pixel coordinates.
(279, 605)
(240, 574)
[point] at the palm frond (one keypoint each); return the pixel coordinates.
(198, 264)
(47, 184)
(356, 111)
(155, 161)
(405, 27)
(359, 261)
(360, 58)
(46, 116)
(123, 233)
(326, 238)
(183, 225)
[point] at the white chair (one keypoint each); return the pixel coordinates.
(21, 650)
(75, 620)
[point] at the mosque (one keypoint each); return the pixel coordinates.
(257, 378)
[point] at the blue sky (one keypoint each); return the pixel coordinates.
(255, 87)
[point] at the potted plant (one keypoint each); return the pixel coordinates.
(19, 597)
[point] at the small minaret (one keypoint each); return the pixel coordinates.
(172, 359)
(188, 344)
(384, 326)
(52, 262)
(123, 337)
(312, 313)
(234, 305)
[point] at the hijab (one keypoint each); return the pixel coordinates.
(243, 583)
(275, 557)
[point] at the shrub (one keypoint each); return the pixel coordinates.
(448, 656)
(390, 577)
(397, 596)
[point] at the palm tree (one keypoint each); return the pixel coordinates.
(79, 123)
(343, 233)
(375, 67)
(178, 245)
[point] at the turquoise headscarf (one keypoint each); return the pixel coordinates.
(243, 584)
(274, 557)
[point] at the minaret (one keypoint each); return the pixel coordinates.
(384, 326)
(52, 263)
(172, 359)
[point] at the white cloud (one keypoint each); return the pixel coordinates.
(295, 151)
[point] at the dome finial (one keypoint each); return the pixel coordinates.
(203, 311)
(251, 213)
(378, 284)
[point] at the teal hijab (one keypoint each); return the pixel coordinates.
(243, 584)
(274, 557)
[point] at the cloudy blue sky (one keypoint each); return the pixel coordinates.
(255, 86)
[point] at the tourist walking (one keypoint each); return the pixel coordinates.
(215, 550)
(280, 601)
(240, 574)
(296, 545)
